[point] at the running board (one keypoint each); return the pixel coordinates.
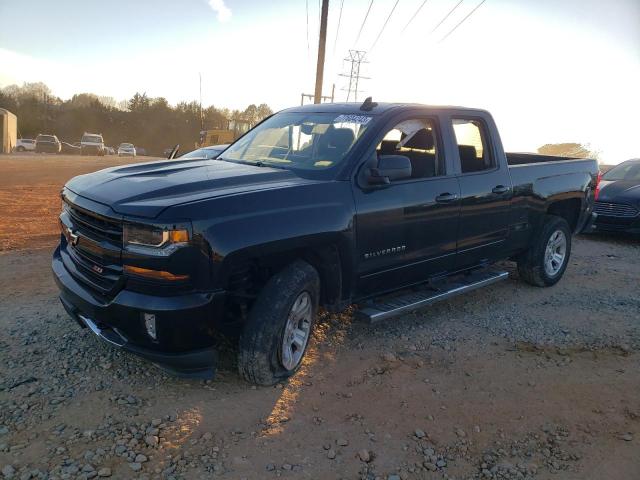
(388, 307)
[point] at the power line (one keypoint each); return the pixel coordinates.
(384, 26)
(461, 21)
(447, 16)
(414, 15)
(338, 28)
(363, 22)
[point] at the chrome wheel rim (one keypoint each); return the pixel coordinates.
(555, 253)
(297, 331)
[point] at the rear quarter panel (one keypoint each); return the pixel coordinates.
(537, 186)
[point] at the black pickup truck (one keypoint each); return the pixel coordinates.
(387, 206)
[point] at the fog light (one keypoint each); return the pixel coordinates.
(150, 324)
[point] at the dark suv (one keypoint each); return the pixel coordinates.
(48, 144)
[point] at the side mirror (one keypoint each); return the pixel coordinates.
(390, 168)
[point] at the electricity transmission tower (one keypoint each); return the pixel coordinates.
(356, 58)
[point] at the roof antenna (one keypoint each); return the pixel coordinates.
(368, 105)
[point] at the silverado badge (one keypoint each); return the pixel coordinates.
(385, 251)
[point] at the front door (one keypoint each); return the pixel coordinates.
(407, 230)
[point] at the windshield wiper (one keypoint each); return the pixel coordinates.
(257, 163)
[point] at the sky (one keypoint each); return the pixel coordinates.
(550, 71)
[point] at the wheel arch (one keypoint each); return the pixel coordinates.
(567, 208)
(246, 273)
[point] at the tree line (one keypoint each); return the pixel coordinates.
(151, 123)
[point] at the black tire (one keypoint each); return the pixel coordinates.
(531, 265)
(20, 149)
(259, 349)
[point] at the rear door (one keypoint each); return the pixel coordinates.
(485, 188)
(407, 230)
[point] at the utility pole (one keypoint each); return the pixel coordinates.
(46, 112)
(356, 58)
(321, 46)
(201, 117)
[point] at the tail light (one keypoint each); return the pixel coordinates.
(597, 192)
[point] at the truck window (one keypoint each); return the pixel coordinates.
(474, 151)
(415, 139)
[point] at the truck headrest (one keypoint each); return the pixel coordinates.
(337, 141)
(467, 153)
(388, 147)
(421, 140)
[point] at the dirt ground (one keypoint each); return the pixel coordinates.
(30, 185)
(508, 382)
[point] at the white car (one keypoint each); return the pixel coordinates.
(92, 144)
(25, 145)
(126, 150)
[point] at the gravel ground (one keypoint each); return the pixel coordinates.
(509, 382)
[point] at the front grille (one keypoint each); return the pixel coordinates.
(607, 209)
(95, 225)
(95, 257)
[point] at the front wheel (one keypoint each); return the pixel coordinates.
(20, 149)
(275, 337)
(546, 260)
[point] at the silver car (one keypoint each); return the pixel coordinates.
(126, 150)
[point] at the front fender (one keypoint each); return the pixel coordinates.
(263, 223)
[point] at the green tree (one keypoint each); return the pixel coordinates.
(146, 122)
(575, 150)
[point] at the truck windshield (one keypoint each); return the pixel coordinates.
(300, 140)
(92, 139)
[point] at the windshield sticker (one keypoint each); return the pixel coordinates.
(359, 119)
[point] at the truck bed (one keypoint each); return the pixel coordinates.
(526, 158)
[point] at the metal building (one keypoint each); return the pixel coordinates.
(8, 131)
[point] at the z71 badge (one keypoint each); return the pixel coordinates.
(385, 251)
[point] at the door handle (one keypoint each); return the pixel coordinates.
(500, 189)
(446, 197)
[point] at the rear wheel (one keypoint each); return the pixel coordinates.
(546, 260)
(277, 332)
(20, 149)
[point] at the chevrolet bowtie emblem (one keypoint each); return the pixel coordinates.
(73, 238)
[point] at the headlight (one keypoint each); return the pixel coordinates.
(155, 240)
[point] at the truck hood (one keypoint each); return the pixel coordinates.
(146, 189)
(627, 191)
